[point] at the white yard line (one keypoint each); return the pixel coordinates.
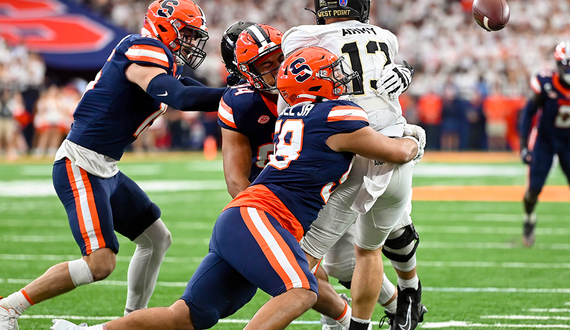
(526, 317)
(548, 310)
(463, 324)
(337, 287)
(434, 264)
(425, 325)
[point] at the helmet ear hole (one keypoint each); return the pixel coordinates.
(162, 28)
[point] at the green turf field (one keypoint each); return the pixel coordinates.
(473, 267)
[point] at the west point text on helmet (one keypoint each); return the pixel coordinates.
(334, 13)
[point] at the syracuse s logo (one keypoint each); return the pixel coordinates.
(167, 8)
(301, 71)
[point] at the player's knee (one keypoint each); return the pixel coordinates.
(401, 246)
(101, 263)
(161, 238)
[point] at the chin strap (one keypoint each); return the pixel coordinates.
(312, 11)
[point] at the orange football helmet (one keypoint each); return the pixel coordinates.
(254, 43)
(562, 57)
(314, 74)
(181, 26)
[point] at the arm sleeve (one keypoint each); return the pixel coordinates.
(169, 90)
(187, 81)
(528, 113)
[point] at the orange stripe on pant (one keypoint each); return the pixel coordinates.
(91, 207)
(269, 254)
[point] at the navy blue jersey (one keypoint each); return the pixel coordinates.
(554, 103)
(114, 111)
(246, 110)
(304, 171)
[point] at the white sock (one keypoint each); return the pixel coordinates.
(387, 292)
(344, 319)
(391, 307)
(19, 301)
(412, 283)
(152, 245)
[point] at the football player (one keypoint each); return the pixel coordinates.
(315, 141)
(373, 198)
(248, 112)
(247, 116)
(551, 135)
(132, 89)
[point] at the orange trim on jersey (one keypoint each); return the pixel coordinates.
(147, 58)
(270, 105)
(230, 111)
(269, 254)
(93, 209)
(25, 294)
(360, 114)
(260, 197)
(81, 221)
(558, 85)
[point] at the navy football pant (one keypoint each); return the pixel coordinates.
(98, 207)
(249, 249)
(542, 156)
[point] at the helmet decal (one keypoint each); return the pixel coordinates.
(343, 2)
(301, 71)
(167, 8)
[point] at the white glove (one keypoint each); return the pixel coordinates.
(394, 80)
(419, 135)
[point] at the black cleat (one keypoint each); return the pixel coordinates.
(528, 233)
(410, 311)
(387, 319)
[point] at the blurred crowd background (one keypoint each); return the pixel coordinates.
(468, 90)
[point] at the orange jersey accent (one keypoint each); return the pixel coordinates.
(267, 249)
(260, 197)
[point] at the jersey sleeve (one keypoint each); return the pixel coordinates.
(147, 51)
(296, 38)
(346, 117)
(226, 113)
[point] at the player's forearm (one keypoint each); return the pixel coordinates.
(236, 185)
(169, 90)
(528, 113)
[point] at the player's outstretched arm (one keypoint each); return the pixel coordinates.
(528, 112)
(167, 89)
(237, 161)
(371, 144)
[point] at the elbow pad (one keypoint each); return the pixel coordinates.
(167, 89)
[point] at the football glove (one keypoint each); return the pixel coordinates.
(418, 134)
(394, 80)
(526, 156)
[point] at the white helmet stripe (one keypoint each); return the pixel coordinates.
(260, 35)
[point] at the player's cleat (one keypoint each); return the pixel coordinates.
(388, 319)
(59, 324)
(8, 318)
(409, 311)
(329, 323)
(528, 233)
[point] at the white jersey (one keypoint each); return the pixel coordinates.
(367, 48)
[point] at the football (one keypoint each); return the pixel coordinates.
(491, 15)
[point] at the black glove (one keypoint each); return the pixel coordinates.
(526, 156)
(233, 80)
